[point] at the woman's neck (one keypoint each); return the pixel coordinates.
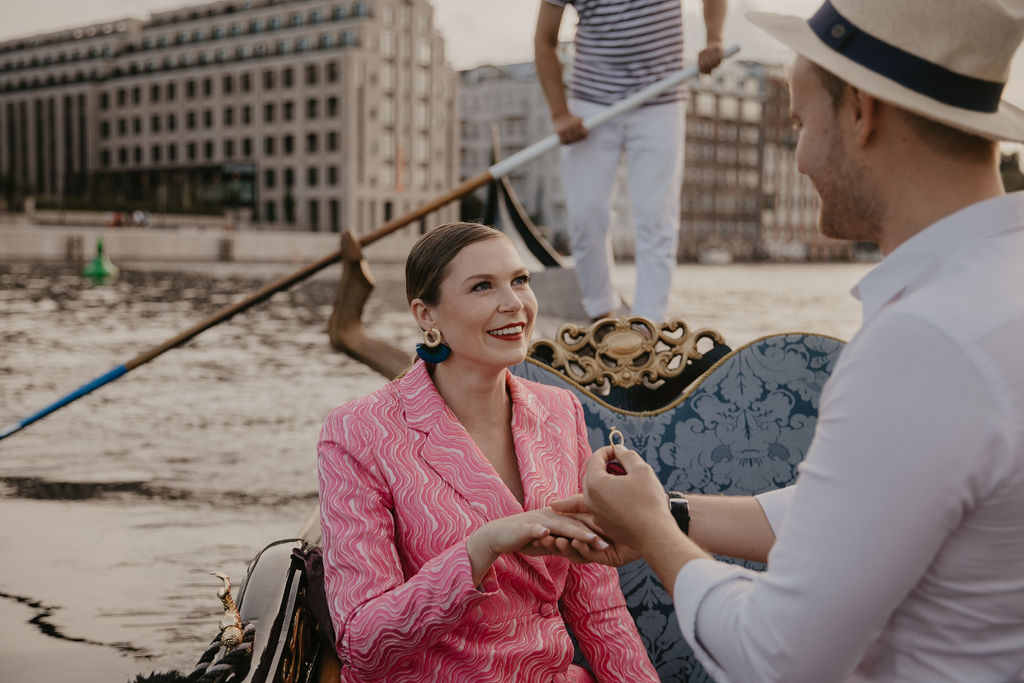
(473, 396)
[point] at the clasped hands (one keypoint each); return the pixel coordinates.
(618, 508)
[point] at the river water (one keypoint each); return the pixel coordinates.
(114, 509)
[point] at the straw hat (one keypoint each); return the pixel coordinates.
(946, 60)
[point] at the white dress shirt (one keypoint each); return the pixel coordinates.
(902, 553)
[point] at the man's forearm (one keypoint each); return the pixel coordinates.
(666, 550)
(549, 73)
(714, 19)
(730, 525)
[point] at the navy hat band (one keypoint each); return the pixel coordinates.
(908, 70)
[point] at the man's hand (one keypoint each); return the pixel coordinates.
(613, 555)
(569, 128)
(626, 508)
(710, 56)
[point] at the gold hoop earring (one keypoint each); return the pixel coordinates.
(433, 350)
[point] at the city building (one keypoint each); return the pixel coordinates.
(300, 114)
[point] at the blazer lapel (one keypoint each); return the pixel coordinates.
(546, 448)
(447, 448)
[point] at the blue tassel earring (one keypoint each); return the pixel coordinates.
(433, 350)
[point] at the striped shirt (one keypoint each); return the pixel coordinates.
(623, 46)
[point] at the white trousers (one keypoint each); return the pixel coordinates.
(652, 139)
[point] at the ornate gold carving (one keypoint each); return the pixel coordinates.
(624, 352)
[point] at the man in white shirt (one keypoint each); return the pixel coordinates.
(899, 553)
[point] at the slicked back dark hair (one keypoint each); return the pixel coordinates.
(427, 264)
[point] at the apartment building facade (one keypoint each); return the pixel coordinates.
(304, 114)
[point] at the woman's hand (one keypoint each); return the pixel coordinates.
(523, 533)
(614, 555)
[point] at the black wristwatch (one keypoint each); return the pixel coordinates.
(680, 510)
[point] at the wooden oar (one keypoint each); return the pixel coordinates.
(493, 173)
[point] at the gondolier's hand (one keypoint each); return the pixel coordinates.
(569, 128)
(711, 56)
(518, 533)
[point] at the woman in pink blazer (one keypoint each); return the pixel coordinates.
(434, 494)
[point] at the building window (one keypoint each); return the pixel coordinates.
(229, 149)
(339, 13)
(269, 178)
(289, 144)
(104, 130)
(154, 93)
(191, 150)
(314, 215)
(289, 209)
(208, 149)
(286, 77)
(332, 72)
(172, 152)
(246, 147)
(105, 158)
(137, 153)
(122, 155)
(246, 115)
(268, 146)
(171, 92)
(311, 74)
(311, 142)
(332, 175)
(332, 106)
(332, 141)
(268, 80)
(256, 26)
(137, 125)
(289, 110)
(273, 23)
(190, 120)
(207, 87)
(190, 89)
(289, 177)
(246, 82)
(136, 95)
(311, 108)
(122, 97)
(312, 176)
(268, 113)
(154, 124)
(155, 152)
(296, 20)
(270, 209)
(229, 116)
(104, 101)
(208, 118)
(228, 84)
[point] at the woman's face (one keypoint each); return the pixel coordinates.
(487, 309)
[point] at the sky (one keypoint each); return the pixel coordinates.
(476, 31)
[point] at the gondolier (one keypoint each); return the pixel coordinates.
(622, 46)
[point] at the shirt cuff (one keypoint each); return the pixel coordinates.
(693, 583)
(775, 505)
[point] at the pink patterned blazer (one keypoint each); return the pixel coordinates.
(402, 485)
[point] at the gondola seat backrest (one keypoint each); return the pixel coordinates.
(741, 427)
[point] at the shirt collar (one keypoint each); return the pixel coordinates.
(912, 260)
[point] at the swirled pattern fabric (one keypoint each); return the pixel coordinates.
(402, 484)
(741, 429)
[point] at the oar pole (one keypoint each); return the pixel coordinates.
(493, 173)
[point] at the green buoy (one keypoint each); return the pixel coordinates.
(101, 269)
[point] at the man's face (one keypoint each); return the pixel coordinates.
(826, 153)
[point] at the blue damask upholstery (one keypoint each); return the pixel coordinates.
(739, 429)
